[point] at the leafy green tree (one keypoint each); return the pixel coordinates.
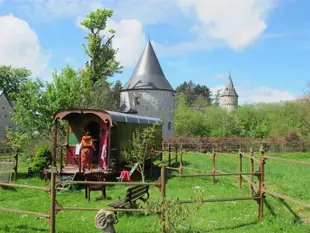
(102, 64)
(220, 123)
(42, 158)
(102, 56)
(12, 78)
(37, 102)
(116, 93)
(252, 122)
(192, 92)
(142, 142)
(188, 122)
(217, 98)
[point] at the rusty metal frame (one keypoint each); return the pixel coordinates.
(103, 115)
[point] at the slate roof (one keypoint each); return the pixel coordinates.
(229, 88)
(148, 73)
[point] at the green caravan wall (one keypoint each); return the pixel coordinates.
(76, 127)
(126, 131)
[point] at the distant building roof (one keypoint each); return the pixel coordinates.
(148, 73)
(2, 92)
(229, 88)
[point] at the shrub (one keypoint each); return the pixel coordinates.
(292, 137)
(42, 158)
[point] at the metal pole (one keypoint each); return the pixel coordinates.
(53, 199)
(163, 195)
(61, 159)
(240, 169)
(109, 147)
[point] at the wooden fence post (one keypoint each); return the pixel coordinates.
(169, 155)
(213, 167)
(53, 200)
(181, 163)
(176, 152)
(163, 195)
(251, 170)
(240, 169)
(16, 164)
(261, 186)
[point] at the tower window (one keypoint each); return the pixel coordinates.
(169, 125)
(137, 100)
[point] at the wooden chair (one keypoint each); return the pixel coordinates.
(93, 176)
(120, 178)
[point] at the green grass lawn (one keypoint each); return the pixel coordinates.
(236, 216)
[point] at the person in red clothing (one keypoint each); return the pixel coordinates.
(87, 148)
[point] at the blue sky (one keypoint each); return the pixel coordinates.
(265, 43)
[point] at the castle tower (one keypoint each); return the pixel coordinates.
(229, 97)
(148, 92)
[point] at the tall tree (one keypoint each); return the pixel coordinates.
(102, 64)
(116, 93)
(12, 78)
(36, 103)
(193, 92)
(99, 49)
(217, 98)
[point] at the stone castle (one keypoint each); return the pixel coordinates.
(229, 97)
(149, 93)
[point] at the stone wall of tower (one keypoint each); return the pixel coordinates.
(229, 102)
(5, 116)
(152, 103)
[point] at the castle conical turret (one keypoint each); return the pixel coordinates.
(148, 73)
(148, 92)
(229, 97)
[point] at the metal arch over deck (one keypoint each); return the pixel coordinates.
(65, 113)
(129, 118)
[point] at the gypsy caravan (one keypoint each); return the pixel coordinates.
(111, 132)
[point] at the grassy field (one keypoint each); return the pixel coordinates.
(238, 216)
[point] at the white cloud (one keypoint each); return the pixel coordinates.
(249, 93)
(237, 23)
(129, 40)
(215, 23)
(20, 46)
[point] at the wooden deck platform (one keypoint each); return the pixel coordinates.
(71, 170)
